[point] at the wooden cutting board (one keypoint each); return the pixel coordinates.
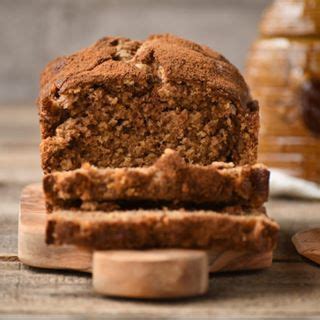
(168, 273)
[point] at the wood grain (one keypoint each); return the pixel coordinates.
(307, 243)
(32, 249)
(293, 216)
(151, 274)
(283, 291)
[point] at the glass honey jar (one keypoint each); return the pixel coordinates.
(283, 72)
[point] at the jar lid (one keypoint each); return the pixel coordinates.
(292, 18)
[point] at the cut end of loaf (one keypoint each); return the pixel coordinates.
(121, 103)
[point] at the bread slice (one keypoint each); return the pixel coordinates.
(121, 103)
(142, 229)
(170, 182)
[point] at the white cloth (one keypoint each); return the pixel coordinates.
(281, 184)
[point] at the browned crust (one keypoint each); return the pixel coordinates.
(182, 60)
(177, 76)
(170, 179)
(143, 229)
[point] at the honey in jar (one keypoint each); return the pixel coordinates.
(283, 72)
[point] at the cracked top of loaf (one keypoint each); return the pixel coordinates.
(201, 100)
(120, 60)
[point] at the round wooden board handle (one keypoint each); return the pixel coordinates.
(152, 274)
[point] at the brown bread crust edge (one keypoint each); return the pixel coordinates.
(170, 179)
(142, 229)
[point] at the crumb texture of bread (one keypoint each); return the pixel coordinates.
(143, 229)
(169, 180)
(121, 103)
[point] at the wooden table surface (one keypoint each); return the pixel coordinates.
(291, 287)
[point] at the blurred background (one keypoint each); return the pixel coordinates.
(32, 32)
